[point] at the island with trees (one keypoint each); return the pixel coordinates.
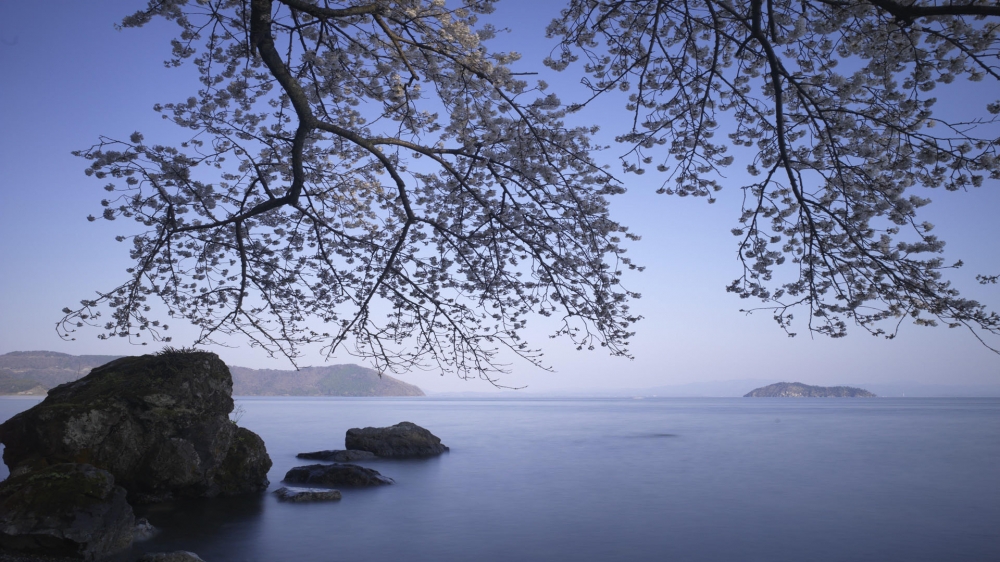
(799, 390)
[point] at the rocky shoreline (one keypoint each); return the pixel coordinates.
(404, 440)
(134, 431)
(142, 430)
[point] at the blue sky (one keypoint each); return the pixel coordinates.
(69, 76)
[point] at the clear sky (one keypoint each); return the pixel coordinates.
(69, 76)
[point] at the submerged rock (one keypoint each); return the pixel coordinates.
(158, 423)
(65, 510)
(143, 529)
(336, 474)
(338, 456)
(299, 495)
(403, 440)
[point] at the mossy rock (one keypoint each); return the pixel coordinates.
(246, 465)
(198, 379)
(70, 510)
(403, 440)
(158, 423)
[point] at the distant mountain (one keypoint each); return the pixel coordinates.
(34, 372)
(330, 380)
(715, 389)
(899, 389)
(799, 390)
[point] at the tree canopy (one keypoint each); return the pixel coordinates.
(369, 174)
(834, 103)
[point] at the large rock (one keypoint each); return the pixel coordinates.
(336, 474)
(158, 423)
(403, 440)
(246, 465)
(65, 510)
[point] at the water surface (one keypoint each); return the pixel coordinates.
(621, 479)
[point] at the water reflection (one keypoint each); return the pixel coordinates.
(203, 525)
(599, 480)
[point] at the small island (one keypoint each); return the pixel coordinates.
(799, 390)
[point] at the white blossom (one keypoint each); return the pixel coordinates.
(833, 96)
(384, 186)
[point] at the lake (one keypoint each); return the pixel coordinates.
(686, 479)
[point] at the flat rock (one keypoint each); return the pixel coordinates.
(65, 510)
(403, 440)
(176, 556)
(338, 456)
(158, 423)
(8, 556)
(299, 495)
(336, 474)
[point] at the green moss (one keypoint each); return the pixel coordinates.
(170, 412)
(135, 377)
(54, 489)
(245, 467)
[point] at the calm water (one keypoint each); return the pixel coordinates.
(608, 479)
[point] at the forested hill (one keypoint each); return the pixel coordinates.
(34, 372)
(799, 390)
(330, 380)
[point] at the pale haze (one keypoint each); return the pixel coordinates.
(70, 76)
